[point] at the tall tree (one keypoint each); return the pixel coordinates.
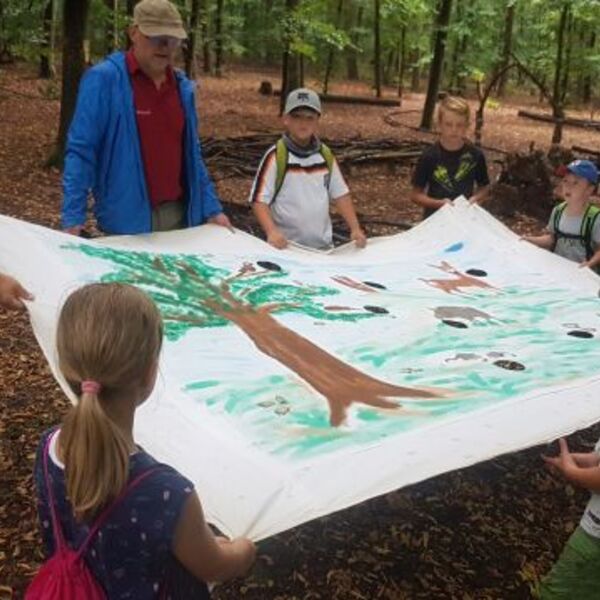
(329, 65)
(219, 38)
(401, 60)
(190, 49)
(507, 46)
(75, 15)
(352, 53)
(291, 72)
(377, 47)
(586, 95)
(204, 31)
(47, 45)
(557, 95)
(435, 71)
(112, 25)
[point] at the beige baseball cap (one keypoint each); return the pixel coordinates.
(302, 98)
(158, 17)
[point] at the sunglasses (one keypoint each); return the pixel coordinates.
(158, 41)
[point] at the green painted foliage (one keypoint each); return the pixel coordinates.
(191, 292)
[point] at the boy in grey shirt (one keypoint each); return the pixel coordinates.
(574, 225)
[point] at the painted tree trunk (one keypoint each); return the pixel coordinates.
(340, 383)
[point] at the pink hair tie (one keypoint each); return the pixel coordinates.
(90, 387)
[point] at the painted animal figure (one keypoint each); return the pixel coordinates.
(454, 284)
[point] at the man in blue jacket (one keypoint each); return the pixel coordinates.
(133, 141)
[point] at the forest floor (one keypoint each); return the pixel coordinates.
(488, 532)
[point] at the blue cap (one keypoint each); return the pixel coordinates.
(585, 169)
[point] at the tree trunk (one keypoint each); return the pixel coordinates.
(586, 95)
(351, 54)
(190, 50)
(291, 77)
(341, 384)
(507, 46)
(204, 30)
(377, 49)
(47, 45)
(557, 109)
(73, 64)
(435, 72)
(329, 65)
(415, 72)
(567, 65)
(112, 32)
(219, 38)
(401, 61)
(129, 10)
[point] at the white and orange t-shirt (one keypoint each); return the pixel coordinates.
(301, 208)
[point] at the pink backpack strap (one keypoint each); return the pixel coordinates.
(99, 522)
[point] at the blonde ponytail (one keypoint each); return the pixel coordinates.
(108, 340)
(96, 455)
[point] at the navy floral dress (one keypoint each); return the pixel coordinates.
(130, 556)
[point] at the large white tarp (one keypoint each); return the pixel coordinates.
(294, 384)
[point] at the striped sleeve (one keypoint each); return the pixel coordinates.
(263, 187)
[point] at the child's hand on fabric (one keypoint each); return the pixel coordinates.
(358, 237)
(277, 239)
(585, 263)
(564, 462)
(12, 293)
(223, 220)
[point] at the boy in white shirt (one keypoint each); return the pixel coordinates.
(298, 178)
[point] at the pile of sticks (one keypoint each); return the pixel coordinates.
(240, 156)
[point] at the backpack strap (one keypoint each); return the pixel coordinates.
(587, 228)
(558, 212)
(281, 162)
(327, 154)
(104, 515)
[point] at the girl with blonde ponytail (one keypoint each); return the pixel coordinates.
(155, 542)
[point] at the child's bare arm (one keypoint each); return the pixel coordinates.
(345, 207)
(263, 215)
(481, 195)
(12, 293)
(565, 462)
(593, 262)
(545, 241)
(205, 556)
(419, 197)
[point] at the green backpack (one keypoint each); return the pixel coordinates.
(281, 157)
(585, 233)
